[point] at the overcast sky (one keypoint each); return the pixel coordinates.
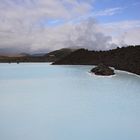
(30, 25)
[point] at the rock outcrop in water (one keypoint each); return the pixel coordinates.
(103, 70)
(125, 58)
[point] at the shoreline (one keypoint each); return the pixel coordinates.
(130, 73)
(51, 63)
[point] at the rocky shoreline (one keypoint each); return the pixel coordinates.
(126, 58)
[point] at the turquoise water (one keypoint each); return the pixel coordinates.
(46, 102)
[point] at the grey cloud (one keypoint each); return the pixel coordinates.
(20, 25)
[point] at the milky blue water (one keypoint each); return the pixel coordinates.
(46, 102)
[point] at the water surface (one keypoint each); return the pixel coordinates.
(47, 102)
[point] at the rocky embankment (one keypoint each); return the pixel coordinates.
(126, 58)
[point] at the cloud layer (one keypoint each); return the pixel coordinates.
(124, 32)
(52, 24)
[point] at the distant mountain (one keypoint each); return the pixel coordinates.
(23, 54)
(13, 52)
(126, 58)
(38, 57)
(38, 54)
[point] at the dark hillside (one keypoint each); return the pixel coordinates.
(126, 58)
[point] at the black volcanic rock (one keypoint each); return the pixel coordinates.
(125, 58)
(103, 70)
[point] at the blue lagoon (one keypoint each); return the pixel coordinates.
(47, 102)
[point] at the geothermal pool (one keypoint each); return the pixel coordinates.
(46, 102)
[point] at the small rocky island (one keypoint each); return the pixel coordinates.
(102, 70)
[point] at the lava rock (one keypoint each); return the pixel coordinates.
(103, 70)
